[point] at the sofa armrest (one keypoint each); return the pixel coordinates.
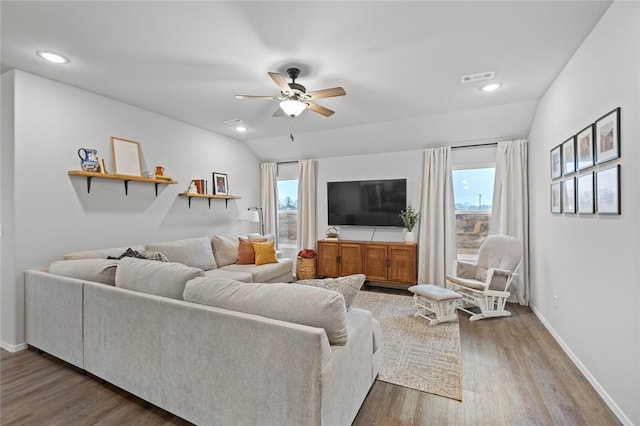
(465, 269)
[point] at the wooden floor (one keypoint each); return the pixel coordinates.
(513, 373)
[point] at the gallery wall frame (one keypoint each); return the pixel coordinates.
(556, 195)
(607, 137)
(608, 190)
(584, 148)
(569, 196)
(569, 156)
(584, 194)
(556, 162)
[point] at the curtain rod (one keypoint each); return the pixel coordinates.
(287, 162)
(475, 146)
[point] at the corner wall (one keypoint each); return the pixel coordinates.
(54, 214)
(590, 262)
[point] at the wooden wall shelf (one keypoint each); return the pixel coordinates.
(210, 197)
(125, 178)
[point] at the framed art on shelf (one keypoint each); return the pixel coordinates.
(584, 148)
(608, 136)
(556, 206)
(126, 157)
(608, 190)
(584, 197)
(220, 184)
(569, 156)
(556, 162)
(569, 196)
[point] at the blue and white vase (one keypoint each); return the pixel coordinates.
(88, 159)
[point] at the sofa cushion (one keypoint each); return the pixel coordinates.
(265, 253)
(225, 249)
(194, 252)
(101, 253)
(263, 273)
(98, 270)
(246, 254)
(223, 272)
(312, 306)
(348, 286)
(160, 278)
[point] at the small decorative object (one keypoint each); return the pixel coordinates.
(159, 171)
(556, 163)
(102, 168)
(220, 184)
(331, 233)
(306, 264)
(608, 190)
(88, 159)
(584, 142)
(608, 136)
(585, 194)
(569, 156)
(126, 157)
(193, 189)
(556, 206)
(410, 218)
(569, 196)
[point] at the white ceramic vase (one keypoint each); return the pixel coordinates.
(408, 237)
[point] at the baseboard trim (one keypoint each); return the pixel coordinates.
(585, 372)
(13, 348)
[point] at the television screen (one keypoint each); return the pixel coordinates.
(367, 202)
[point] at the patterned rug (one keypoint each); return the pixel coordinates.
(414, 354)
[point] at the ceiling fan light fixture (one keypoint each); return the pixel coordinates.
(292, 108)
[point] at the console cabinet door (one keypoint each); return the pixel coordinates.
(351, 259)
(376, 262)
(327, 265)
(402, 263)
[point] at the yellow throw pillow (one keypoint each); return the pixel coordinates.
(265, 253)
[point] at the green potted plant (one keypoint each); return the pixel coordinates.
(410, 218)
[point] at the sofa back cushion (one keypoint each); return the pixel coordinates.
(165, 279)
(225, 249)
(194, 252)
(97, 270)
(101, 253)
(312, 306)
(246, 254)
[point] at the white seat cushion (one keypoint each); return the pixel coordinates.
(434, 292)
(468, 282)
(263, 273)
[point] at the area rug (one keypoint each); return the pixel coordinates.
(415, 355)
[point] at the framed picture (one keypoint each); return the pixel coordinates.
(126, 157)
(569, 156)
(556, 206)
(220, 184)
(556, 162)
(569, 196)
(608, 137)
(584, 197)
(584, 148)
(608, 190)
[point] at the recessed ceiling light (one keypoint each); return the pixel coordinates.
(52, 57)
(491, 87)
(241, 129)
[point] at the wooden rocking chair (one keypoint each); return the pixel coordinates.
(485, 283)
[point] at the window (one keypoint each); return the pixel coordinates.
(287, 213)
(473, 198)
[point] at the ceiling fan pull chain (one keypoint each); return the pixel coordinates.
(292, 129)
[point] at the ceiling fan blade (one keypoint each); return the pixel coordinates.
(279, 113)
(326, 93)
(280, 82)
(319, 109)
(256, 97)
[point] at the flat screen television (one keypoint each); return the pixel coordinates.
(367, 202)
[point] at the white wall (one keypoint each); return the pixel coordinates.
(591, 262)
(53, 212)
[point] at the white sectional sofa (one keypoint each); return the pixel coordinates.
(210, 349)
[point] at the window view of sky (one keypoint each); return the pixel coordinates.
(473, 188)
(288, 194)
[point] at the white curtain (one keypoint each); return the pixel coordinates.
(437, 241)
(268, 197)
(307, 205)
(510, 212)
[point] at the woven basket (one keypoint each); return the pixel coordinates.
(305, 268)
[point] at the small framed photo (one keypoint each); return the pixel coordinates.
(556, 205)
(569, 156)
(584, 197)
(608, 137)
(220, 184)
(608, 190)
(556, 162)
(569, 196)
(126, 157)
(584, 148)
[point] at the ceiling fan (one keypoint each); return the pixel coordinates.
(294, 97)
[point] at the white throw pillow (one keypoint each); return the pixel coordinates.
(165, 279)
(312, 306)
(225, 250)
(194, 252)
(348, 286)
(97, 270)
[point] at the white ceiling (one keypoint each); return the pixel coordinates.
(399, 62)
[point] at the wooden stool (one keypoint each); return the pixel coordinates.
(434, 303)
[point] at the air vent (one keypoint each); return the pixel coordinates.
(232, 122)
(477, 77)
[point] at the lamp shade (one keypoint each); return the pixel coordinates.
(249, 215)
(292, 108)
